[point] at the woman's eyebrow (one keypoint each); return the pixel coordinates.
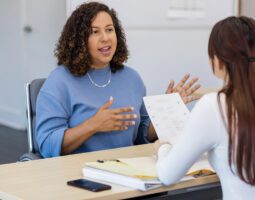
(99, 27)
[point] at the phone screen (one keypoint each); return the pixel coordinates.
(89, 185)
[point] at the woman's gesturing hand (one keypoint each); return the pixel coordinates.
(112, 119)
(187, 91)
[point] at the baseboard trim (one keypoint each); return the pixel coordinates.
(14, 125)
(12, 118)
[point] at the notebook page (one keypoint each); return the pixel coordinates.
(168, 114)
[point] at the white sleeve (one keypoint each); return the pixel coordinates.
(200, 135)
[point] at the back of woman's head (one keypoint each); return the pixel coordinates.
(72, 48)
(232, 41)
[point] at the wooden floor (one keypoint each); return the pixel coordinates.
(13, 143)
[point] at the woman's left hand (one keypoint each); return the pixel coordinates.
(185, 90)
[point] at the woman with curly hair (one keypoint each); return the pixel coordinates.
(76, 111)
(222, 123)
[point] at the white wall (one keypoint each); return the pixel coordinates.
(168, 54)
(11, 64)
(25, 56)
(46, 18)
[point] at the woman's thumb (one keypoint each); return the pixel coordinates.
(108, 103)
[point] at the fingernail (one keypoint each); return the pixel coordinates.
(135, 116)
(126, 128)
(111, 98)
(132, 108)
(133, 122)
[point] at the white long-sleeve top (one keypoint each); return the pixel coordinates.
(205, 132)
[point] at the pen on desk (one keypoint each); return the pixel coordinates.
(102, 161)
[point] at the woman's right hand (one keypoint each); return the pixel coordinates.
(186, 90)
(112, 119)
(104, 120)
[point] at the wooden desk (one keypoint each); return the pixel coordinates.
(46, 178)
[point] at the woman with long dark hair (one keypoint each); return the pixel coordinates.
(223, 123)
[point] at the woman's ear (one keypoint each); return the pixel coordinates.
(219, 68)
(221, 65)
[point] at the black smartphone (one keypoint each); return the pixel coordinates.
(89, 185)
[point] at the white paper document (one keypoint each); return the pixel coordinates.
(168, 114)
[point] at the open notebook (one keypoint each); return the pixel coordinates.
(138, 172)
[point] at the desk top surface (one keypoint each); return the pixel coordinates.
(46, 178)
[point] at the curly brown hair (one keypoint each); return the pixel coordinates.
(72, 48)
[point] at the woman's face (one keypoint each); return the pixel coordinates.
(102, 42)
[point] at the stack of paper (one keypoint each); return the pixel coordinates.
(138, 172)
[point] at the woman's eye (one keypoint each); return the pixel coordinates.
(109, 29)
(95, 31)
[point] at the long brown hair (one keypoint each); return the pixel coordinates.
(72, 48)
(232, 40)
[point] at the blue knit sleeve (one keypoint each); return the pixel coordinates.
(51, 123)
(142, 135)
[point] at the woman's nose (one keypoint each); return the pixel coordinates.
(104, 36)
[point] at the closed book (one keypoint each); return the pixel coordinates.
(139, 172)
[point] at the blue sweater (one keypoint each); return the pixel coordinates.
(66, 101)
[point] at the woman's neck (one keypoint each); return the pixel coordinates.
(100, 66)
